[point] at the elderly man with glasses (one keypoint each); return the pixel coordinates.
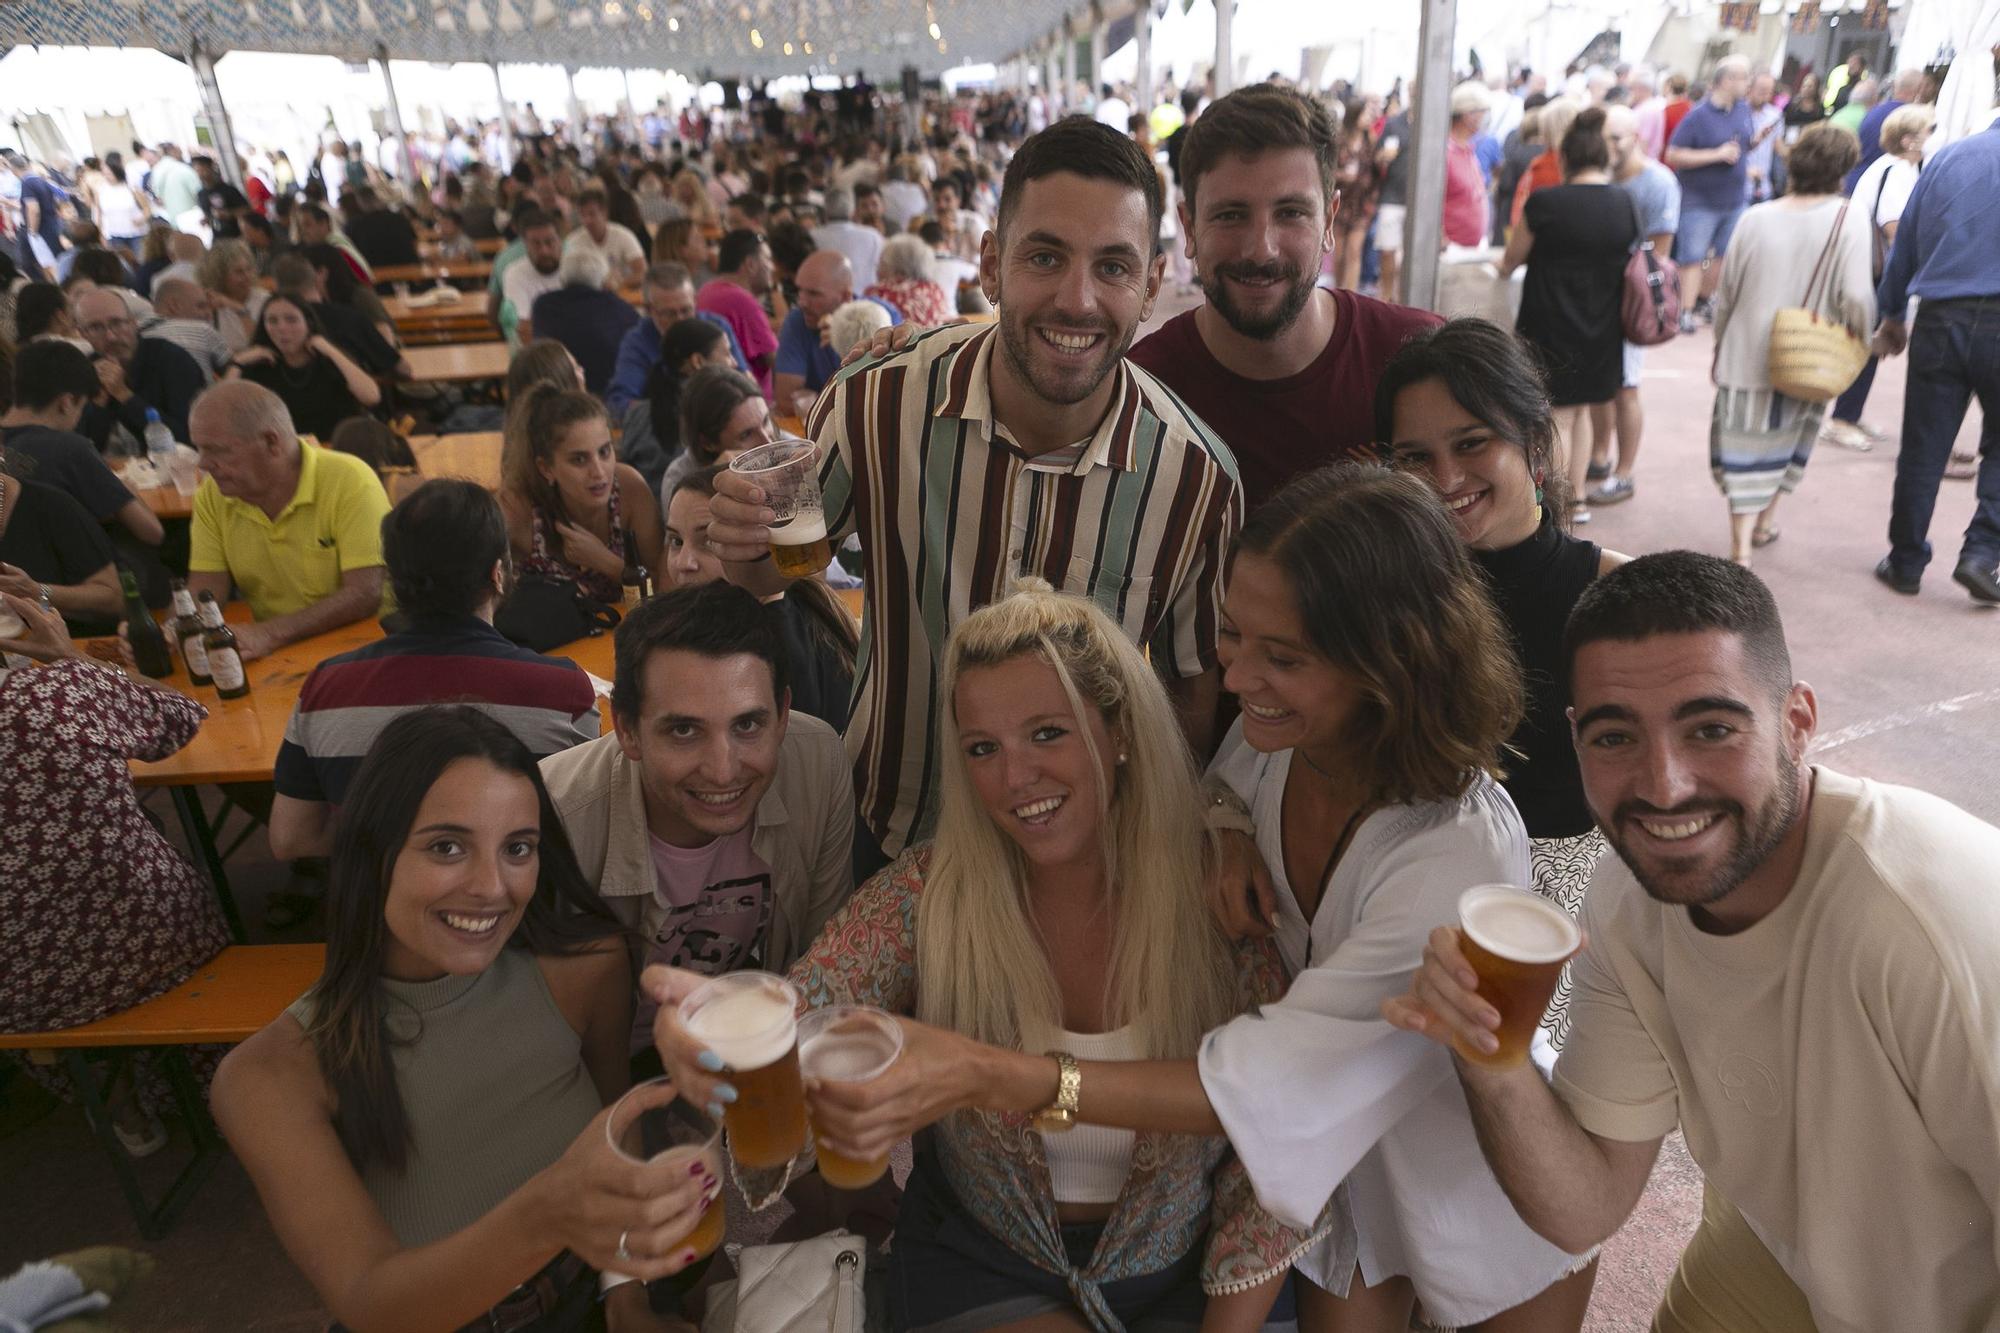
(138, 374)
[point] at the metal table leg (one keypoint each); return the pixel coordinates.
(187, 805)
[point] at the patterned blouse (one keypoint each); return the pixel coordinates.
(923, 304)
(1182, 1187)
(545, 555)
(97, 911)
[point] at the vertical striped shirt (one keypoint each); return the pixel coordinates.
(950, 512)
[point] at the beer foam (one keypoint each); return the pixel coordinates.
(1513, 923)
(806, 527)
(747, 1027)
(846, 1057)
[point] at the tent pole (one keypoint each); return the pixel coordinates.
(506, 121)
(577, 133)
(1098, 32)
(210, 91)
(633, 126)
(1430, 126)
(1224, 72)
(1142, 41)
(411, 183)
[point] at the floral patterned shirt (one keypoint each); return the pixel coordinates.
(1182, 1187)
(97, 910)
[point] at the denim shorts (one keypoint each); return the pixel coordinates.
(1702, 230)
(949, 1274)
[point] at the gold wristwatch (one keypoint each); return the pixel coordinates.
(1060, 1115)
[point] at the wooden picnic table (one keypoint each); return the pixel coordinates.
(460, 270)
(457, 363)
(473, 455)
(461, 304)
(239, 740)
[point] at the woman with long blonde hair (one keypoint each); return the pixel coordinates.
(1377, 686)
(1059, 908)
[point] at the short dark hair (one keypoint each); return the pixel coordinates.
(317, 212)
(46, 370)
(863, 190)
(790, 243)
(526, 216)
(293, 272)
(715, 619)
(1082, 147)
(1583, 146)
(1254, 120)
(1683, 592)
(1489, 372)
(738, 248)
(331, 260)
(750, 205)
(102, 267)
(252, 220)
(36, 307)
(1821, 159)
(593, 194)
(440, 545)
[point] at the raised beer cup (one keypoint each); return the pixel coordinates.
(749, 1020)
(787, 471)
(1517, 943)
(650, 1124)
(848, 1043)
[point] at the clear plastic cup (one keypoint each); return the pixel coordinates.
(848, 1043)
(671, 1131)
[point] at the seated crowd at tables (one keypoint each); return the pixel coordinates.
(1184, 1022)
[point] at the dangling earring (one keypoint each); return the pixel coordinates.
(1538, 499)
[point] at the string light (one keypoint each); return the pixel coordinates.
(757, 39)
(788, 48)
(809, 48)
(935, 31)
(673, 24)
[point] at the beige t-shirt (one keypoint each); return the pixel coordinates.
(1835, 1068)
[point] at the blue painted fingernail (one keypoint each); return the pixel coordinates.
(715, 1110)
(724, 1092)
(709, 1060)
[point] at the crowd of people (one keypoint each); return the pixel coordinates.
(1178, 1014)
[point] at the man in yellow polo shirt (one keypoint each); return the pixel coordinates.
(296, 528)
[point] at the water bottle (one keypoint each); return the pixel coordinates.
(159, 446)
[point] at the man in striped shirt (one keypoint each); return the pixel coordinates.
(978, 455)
(446, 549)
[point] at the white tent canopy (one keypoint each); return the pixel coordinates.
(755, 38)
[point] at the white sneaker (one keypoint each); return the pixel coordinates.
(1845, 434)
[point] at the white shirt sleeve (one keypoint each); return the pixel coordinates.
(1306, 1087)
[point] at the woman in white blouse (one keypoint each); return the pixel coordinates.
(1360, 641)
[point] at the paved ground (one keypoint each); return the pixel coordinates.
(1906, 695)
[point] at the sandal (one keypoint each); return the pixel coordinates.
(1761, 536)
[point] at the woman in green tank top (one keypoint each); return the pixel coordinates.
(425, 1126)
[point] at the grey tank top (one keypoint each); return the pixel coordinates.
(495, 1089)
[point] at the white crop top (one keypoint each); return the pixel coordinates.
(1088, 1163)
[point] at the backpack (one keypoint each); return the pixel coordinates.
(1650, 308)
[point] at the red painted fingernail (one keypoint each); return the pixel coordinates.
(697, 1168)
(689, 1257)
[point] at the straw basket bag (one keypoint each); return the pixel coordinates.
(1814, 359)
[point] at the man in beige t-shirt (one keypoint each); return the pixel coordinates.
(1793, 966)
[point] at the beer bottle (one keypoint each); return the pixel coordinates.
(225, 664)
(187, 634)
(149, 645)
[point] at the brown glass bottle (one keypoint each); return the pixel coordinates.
(225, 663)
(187, 628)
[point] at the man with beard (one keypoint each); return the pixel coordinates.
(1789, 964)
(980, 454)
(542, 249)
(1284, 369)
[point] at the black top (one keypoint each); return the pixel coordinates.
(163, 377)
(822, 686)
(67, 462)
(1535, 585)
(316, 393)
(384, 237)
(49, 538)
(590, 322)
(355, 334)
(1576, 281)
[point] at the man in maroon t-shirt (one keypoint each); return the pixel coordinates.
(1283, 370)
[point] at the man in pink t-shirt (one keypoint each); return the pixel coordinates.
(737, 294)
(1465, 199)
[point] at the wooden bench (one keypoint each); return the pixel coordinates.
(229, 997)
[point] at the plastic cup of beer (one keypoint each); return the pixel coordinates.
(11, 625)
(787, 471)
(651, 1124)
(749, 1020)
(848, 1043)
(1517, 942)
